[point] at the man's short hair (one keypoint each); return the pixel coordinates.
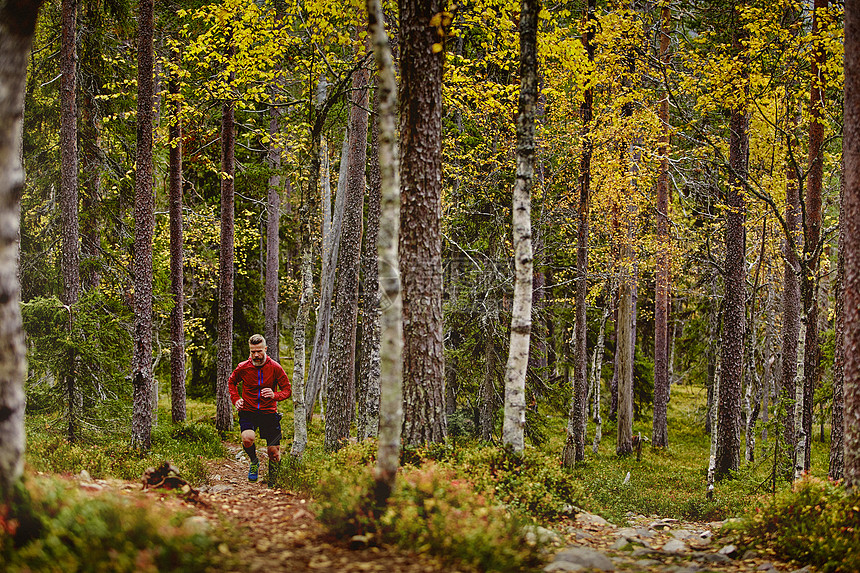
(257, 339)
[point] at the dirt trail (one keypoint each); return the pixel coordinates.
(276, 530)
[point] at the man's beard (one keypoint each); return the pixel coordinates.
(258, 361)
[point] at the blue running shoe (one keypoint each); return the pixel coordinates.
(253, 471)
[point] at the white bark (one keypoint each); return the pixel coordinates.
(391, 319)
(16, 32)
(300, 425)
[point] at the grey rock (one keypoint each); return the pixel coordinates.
(681, 534)
(750, 554)
(766, 566)
(591, 519)
(713, 558)
(537, 534)
(647, 562)
(91, 486)
(729, 551)
(85, 476)
(587, 558)
(644, 551)
(644, 533)
(661, 524)
(675, 546)
(622, 543)
(806, 569)
(221, 488)
(197, 525)
(563, 566)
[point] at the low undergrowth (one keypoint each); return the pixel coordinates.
(434, 509)
(186, 445)
(816, 522)
(52, 526)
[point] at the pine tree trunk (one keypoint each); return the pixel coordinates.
(624, 362)
(420, 231)
(367, 421)
(513, 430)
(341, 389)
(851, 223)
(574, 449)
(836, 468)
(69, 199)
(812, 231)
(177, 256)
(224, 413)
(91, 156)
(660, 431)
(732, 345)
(17, 24)
(144, 206)
(391, 321)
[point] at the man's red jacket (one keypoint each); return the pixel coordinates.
(253, 380)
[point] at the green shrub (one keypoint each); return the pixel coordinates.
(432, 510)
(67, 530)
(816, 522)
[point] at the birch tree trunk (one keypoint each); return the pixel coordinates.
(341, 403)
(851, 203)
(332, 227)
(513, 430)
(300, 418)
(17, 24)
(224, 413)
(597, 371)
(70, 228)
(144, 219)
(790, 312)
(177, 256)
(391, 320)
(273, 240)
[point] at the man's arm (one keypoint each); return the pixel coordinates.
(282, 382)
(234, 391)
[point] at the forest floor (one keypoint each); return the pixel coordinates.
(276, 531)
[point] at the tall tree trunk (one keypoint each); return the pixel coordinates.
(851, 245)
(224, 413)
(660, 430)
(837, 434)
(812, 229)
(300, 418)
(597, 370)
(487, 391)
(17, 24)
(331, 232)
(71, 254)
(367, 421)
(341, 393)
(91, 156)
(420, 225)
(391, 319)
(574, 449)
(732, 344)
(273, 240)
(791, 308)
(624, 352)
(144, 219)
(177, 257)
(513, 430)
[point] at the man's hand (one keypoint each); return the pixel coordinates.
(267, 393)
(239, 403)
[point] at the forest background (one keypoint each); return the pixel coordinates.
(728, 113)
